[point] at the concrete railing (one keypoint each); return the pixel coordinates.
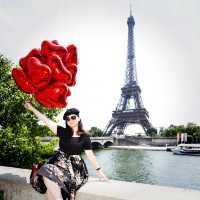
(14, 185)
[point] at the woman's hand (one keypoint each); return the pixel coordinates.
(90, 155)
(101, 175)
(28, 105)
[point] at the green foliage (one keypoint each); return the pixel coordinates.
(43, 131)
(48, 149)
(191, 129)
(19, 127)
(151, 132)
(95, 132)
(21, 151)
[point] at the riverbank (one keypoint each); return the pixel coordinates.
(138, 147)
(14, 184)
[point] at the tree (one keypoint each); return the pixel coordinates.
(192, 130)
(151, 132)
(18, 127)
(95, 132)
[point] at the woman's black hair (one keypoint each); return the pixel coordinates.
(80, 129)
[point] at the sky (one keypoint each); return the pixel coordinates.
(167, 46)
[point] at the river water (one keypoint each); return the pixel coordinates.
(152, 167)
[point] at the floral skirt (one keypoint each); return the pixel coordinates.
(69, 172)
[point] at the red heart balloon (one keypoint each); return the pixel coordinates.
(73, 69)
(39, 74)
(59, 71)
(71, 56)
(54, 96)
(48, 72)
(22, 81)
(23, 61)
(55, 42)
(48, 47)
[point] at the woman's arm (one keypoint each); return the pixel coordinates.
(92, 158)
(48, 122)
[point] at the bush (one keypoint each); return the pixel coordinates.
(19, 128)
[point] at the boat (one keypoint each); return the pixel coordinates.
(187, 149)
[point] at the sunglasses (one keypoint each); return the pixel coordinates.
(73, 117)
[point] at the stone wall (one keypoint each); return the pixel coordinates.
(19, 191)
(152, 141)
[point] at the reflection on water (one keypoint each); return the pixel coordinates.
(153, 167)
(130, 168)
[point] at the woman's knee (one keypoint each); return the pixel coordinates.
(45, 180)
(49, 184)
(52, 188)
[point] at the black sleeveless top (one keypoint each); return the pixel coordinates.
(73, 145)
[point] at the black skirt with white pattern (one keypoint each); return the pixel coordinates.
(69, 172)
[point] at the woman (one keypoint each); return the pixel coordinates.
(65, 172)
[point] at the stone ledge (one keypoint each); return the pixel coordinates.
(14, 183)
(135, 191)
(14, 175)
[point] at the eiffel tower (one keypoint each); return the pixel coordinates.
(130, 109)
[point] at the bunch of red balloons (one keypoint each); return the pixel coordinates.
(47, 73)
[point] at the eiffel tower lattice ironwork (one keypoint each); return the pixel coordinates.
(130, 109)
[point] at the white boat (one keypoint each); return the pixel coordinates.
(187, 149)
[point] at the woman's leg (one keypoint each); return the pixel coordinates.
(53, 190)
(49, 195)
